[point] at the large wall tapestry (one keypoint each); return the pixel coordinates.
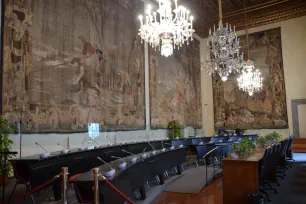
(266, 109)
(73, 62)
(175, 87)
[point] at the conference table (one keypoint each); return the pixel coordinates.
(37, 170)
(134, 176)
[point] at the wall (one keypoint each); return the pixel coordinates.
(49, 141)
(293, 34)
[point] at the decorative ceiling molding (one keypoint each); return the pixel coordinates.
(260, 12)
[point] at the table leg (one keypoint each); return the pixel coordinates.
(179, 169)
(142, 191)
(161, 178)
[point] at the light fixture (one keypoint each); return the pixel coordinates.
(165, 28)
(250, 80)
(223, 50)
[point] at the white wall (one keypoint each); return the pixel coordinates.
(293, 34)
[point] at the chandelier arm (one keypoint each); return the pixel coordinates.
(220, 13)
(246, 30)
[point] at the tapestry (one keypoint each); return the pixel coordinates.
(68, 63)
(234, 108)
(175, 87)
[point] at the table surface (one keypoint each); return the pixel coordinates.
(88, 176)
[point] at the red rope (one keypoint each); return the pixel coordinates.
(32, 190)
(118, 191)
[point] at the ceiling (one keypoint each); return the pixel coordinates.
(259, 12)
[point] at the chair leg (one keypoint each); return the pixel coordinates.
(266, 194)
(157, 180)
(182, 166)
(47, 194)
(13, 190)
(147, 183)
(167, 174)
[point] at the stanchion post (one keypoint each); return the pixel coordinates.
(96, 185)
(64, 184)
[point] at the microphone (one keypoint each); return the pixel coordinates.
(41, 147)
(154, 151)
(109, 140)
(201, 141)
(118, 158)
(127, 152)
(83, 148)
(171, 146)
(105, 162)
(151, 146)
(122, 165)
(44, 155)
(111, 172)
(144, 155)
(134, 159)
(66, 150)
(62, 145)
(163, 149)
(98, 142)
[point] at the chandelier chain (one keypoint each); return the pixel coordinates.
(246, 30)
(220, 13)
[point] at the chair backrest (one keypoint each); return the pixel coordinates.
(201, 151)
(265, 168)
(286, 144)
(196, 141)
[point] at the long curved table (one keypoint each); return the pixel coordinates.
(37, 170)
(134, 176)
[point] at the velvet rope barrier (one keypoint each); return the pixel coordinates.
(33, 190)
(117, 191)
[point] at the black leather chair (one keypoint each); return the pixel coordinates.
(289, 155)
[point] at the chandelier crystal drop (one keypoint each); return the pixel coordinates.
(223, 50)
(250, 80)
(165, 28)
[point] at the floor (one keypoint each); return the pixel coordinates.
(291, 191)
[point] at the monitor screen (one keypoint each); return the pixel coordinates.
(93, 130)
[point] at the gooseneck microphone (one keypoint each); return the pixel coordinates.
(62, 145)
(84, 141)
(105, 162)
(118, 158)
(41, 147)
(127, 152)
(151, 146)
(109, 139)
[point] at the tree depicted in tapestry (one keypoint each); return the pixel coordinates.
(68, 63)
(266, 109)
(175, 87)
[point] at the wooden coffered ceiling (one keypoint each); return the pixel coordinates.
(259, 12)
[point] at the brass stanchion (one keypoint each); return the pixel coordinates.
(96, 185)
(64, 184)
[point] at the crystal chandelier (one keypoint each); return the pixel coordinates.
(165, 28)
(223, 50)
(250, 80)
